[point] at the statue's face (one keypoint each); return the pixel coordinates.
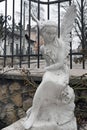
(48, 31)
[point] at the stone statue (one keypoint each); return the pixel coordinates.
(53, 103)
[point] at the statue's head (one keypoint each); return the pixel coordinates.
(47, 24)
(48, 29)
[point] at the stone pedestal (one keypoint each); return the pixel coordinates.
(16, 126)
(71, 125)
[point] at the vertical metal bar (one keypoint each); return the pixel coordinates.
(70, 52)
(82, 33)
(38, 63)
(16, 49)
(13, 32)
(58, 19)
(5, 33)
(69, 2)
(24, 27)
(29, 31)
(20, 32)
(70, 45)
(48, 10)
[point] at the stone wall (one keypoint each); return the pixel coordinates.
(15, 98)
(17, 88)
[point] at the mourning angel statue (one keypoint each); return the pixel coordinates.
(53, 103)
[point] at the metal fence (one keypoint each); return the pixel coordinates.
(19, 51)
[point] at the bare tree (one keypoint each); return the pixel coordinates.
(81, 22)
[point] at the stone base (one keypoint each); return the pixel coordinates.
(71, 125)
(16, 126)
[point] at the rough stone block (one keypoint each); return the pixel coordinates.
(14, 87)
(27, 104)
(17, 99)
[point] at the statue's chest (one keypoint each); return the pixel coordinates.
(52, 53)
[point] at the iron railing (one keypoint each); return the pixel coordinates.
(28, 56)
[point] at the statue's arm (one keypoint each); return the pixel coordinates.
(35, 19)
(55, 66)
(59, 61)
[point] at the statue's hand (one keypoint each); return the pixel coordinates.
(67, 95)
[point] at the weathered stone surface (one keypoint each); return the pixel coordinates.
(21, 113)
(12, 102)
(14, 87)
(27, 104)
(10, 114)
(17, 99)
(4, 93)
